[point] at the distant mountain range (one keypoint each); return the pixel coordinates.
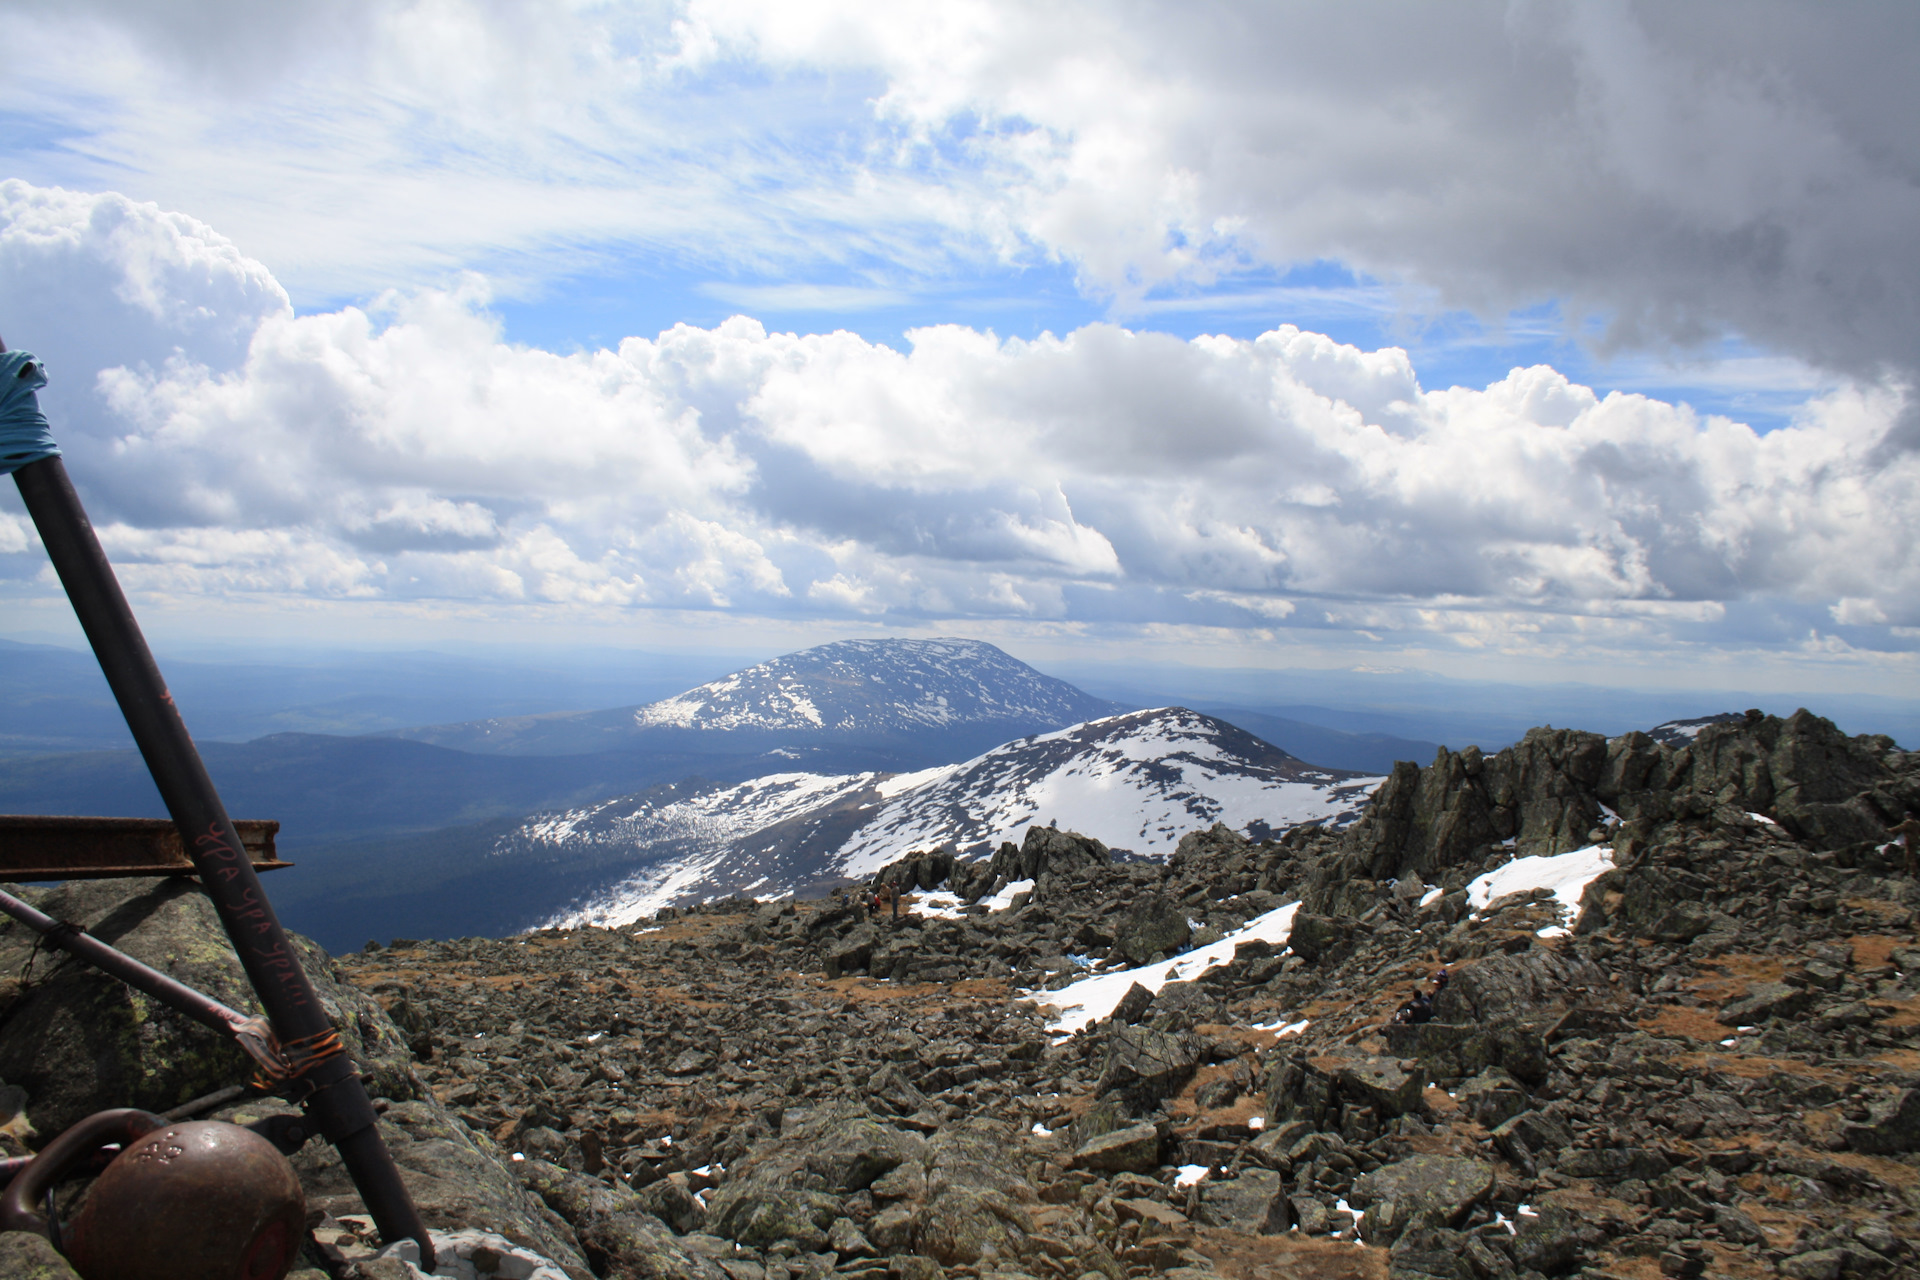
(813, 767)
(1137, 782)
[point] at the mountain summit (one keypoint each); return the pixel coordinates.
(878, 687)
(841, 707)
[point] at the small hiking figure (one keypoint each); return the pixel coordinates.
(1907, 831)
(1415, 1011)
(1439, 982)
(894, 897)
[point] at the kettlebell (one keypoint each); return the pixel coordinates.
(202, 1200)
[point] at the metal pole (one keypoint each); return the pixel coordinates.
(338, 1105)
(203, 1009)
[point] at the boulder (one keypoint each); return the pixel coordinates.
(1503, 988)
(1434, 1191)
(977, 1201)
(1253, 1201)
(79, 1041)
(1135, 1149)
(454, 1175)
(1181, 1006)
(1456, 1049)
(1892, 1125)
(1155, 925)
(1384, 1084)
(25, 1256)
(853, 951)
(1133, 1005)
(853, 1155)
(1315, 936)
(1765, 1000)
(1613, 1164)
(1144, 1065)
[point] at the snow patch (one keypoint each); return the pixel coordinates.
(1566, 874)
(1085, 1002)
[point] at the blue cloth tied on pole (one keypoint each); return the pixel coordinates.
(24, 434)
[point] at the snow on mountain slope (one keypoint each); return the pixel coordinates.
(864, 686)
(1136, 782)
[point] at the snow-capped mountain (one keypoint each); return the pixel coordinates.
(842, 707)
(876, 687)
(1137, 782)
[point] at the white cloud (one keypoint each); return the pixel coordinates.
(1680, 171)
(1107, 477)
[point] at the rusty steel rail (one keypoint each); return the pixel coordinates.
(336, 1100)
(37, 847)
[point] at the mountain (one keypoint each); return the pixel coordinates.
(1137, 782)
(918, 702)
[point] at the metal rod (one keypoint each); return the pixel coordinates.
(338, 1105)
(202, 1008)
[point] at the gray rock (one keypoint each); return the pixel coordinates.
(1766, 1000)
(1147, 1065)
(1154, 925)
(79, 1041)
(25, 1256)
(852, 1155)
(1309, 1214)
(1135, 1149)
(1244, 1203)
(1491, 1098)
(1502, 988)
(1133, 1005)
(456, 1177)
(1613, 1164)
(1531, 1136)
(1892, 1125)
(670, 1201)
(1736, 1227)
(1315, 936)
(1425, 1190)
(1550, 1242)
(1821, 1264)
(1465, 1049)
(1384, 1085)
(1181, 1006)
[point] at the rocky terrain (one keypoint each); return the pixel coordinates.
(1709, 1065)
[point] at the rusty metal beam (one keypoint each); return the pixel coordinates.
(33, 847)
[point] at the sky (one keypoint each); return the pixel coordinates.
(1517, 341)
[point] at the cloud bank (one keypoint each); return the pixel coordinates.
(1676, 173)
(405, 452)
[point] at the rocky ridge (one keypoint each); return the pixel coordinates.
(1137, 781)
(1712, 1067)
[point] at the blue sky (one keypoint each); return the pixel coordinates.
(1186, 330)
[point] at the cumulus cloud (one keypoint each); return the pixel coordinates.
(407, 452)
(1676, 172)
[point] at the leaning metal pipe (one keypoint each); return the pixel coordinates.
(338, 1103)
